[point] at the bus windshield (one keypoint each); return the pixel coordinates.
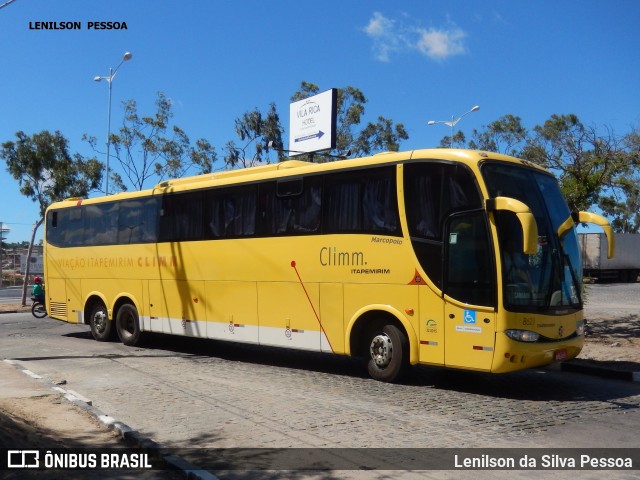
(549, 279)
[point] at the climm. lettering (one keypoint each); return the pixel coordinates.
(332, 257)
(157, 261)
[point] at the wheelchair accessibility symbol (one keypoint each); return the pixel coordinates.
(469, 317)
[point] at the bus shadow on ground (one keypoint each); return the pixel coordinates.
(533, 385)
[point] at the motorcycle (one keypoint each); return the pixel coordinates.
(38, 309)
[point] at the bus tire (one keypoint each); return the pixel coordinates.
(387, 350)
(101, 326)
(128, 325)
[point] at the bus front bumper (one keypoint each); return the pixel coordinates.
(511, 355)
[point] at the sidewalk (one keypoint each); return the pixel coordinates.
(36, 414)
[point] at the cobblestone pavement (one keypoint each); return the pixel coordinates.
(212, 394)
(185, 393)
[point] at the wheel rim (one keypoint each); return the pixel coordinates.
(381, 350)
(100, 321)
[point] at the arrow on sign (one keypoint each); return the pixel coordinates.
(309, 137)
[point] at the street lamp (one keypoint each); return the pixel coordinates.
(452, 123)
(109, 79)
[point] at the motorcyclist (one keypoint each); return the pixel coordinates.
(38, 290)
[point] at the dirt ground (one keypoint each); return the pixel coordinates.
(49, 421)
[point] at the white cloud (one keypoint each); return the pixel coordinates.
(379, 25)
(441, 44)
(385, 38)
(392, 36)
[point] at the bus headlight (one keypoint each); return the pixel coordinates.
(522, 335)
(580, 327)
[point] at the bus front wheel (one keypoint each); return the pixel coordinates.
(101, 326)
(128, 325)
(388, 353)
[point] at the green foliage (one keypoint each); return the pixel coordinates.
(594, 166)
(623, 204)
(45, 170)
(149, 147)
(259, 134)
(15, 245)
(504, 135)
(587, 163)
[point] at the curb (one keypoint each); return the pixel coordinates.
(594, 370)
(130, 436)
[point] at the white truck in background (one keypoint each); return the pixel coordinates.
(623, 267)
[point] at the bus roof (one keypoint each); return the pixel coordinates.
(298, 167)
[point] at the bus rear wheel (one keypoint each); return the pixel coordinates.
(101, 326)
(388, 353)
(128, 325)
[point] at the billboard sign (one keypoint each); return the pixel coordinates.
(36, 267)
(312, 123)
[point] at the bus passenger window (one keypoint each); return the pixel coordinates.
(291, 207)
(231, 213)
(469, 274)
(181, 217)
(137, 221)
(361, 201)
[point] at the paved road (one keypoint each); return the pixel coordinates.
(188, 393)
(612, 298)
(11, 295)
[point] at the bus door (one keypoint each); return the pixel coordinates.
(469, 292)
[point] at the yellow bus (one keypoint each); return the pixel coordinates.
(440, 257)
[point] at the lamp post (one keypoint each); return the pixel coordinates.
(452, 123)
(109, 79)
(3, 230)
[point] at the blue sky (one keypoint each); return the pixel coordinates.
(415, 60)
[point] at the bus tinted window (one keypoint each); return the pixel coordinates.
(291, 208)
(74, 227)
(362, 201)
(469, 260)
(433, 192)
(423, 200)
(101, 223)
(231, 212)
(181, 217)
(137, 221)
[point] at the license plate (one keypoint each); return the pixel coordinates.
(560, 355)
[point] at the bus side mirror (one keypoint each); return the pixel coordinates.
(588, 217)
(526, 218)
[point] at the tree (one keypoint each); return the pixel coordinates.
(588, 164)
(147, 147)
(46, 172)
(374, 137)
(624, 205)
(593, 166)
(505, 135)
(459, 141)
(260, 135)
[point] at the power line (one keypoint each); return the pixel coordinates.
(7, 3)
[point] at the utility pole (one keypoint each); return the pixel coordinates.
(1, 240)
